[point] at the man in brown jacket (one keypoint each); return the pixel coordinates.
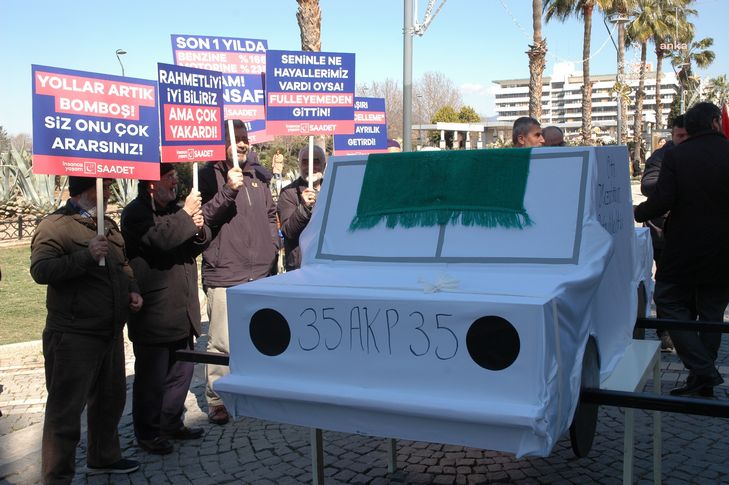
(83, 345)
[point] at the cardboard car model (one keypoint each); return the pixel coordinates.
(468, 327)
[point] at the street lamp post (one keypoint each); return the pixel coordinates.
(407, 77)
(120, 52)
(411, 28)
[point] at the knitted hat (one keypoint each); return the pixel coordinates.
(77, 185)
(163, 169)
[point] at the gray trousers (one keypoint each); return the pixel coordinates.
(81, 370)
(217, 339)
(697, 349)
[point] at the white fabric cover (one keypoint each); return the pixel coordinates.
(379, 318)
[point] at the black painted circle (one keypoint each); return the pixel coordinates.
(270, 332)
(493, 343)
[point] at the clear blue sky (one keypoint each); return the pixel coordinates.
(473, 42)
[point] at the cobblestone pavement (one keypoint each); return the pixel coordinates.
(251, 451)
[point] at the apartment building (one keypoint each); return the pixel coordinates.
(562, 99)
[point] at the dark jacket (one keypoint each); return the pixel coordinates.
(647, 188)
(694, 186)
(245, 235)
(82, 296)
(162, 246)
(294, 217)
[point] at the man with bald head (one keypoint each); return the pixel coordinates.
(553, 136)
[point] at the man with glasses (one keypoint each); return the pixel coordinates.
(163, 239)
(296, 202)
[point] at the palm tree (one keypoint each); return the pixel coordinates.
(537, 52)
(562, 10)
(717, 90)
(698, 52)
(309, 18)
(648, 24)
(674, 25)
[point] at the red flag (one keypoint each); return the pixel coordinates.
(725, 120)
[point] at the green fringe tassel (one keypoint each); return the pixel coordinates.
(429, 218)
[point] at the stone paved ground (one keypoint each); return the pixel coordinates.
(695, 449)
(250, 451)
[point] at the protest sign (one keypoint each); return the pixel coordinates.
(94, 125)
(309, 93)
(242, 62)
(370, 129)
(191, 114)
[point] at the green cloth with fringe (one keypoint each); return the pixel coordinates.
(471, 187)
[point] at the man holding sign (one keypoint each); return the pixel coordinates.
(83, 345)
(238, 207)
(297, 201)
(163, 240)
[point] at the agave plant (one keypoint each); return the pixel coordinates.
(124, 191)
(8, 179)
(37, 191)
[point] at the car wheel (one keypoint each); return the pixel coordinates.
(584, 423)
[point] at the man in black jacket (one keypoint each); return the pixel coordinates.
(238, 207)
(163, 240)
(296, 202)
(692, 279)
(648, 188)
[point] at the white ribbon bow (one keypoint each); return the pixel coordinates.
(444, 282)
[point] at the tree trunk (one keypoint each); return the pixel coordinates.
(659, 75)
(309, 17)
(586, 83)
(537, 52)
(638, 121)
(621, 80)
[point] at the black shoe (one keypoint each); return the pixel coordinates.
(156, 446)
(666, 343)
(121, 466)
(184, 433)
(698, 386)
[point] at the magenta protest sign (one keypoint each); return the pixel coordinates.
(242, 63)
(370, 129)
(191, 114)
(309, 93)
(94, 125)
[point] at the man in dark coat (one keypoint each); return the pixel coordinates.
(83, 344)
(648, 188)
(296, 202)
(238, 207)
(692, 279)
(163, 240)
